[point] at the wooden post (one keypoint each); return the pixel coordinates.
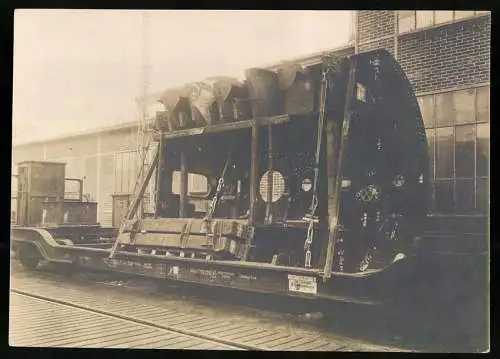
(254, 172)
(335, 166)
(254, 185)
(270, 176)
(132, 210)
(331, 169)
(159, 177)
(183, 186)
(80, 192)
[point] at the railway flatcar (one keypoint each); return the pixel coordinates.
(312, 181)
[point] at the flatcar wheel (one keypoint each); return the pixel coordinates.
(28, 257)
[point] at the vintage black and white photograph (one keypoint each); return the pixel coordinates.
(251, 180)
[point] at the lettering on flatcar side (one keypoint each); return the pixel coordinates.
(302, 284)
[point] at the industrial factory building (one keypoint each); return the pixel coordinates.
(446, 56)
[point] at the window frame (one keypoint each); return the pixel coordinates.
(413, 14)
(192, 194)
(453, 19)
(433, 21)
(476, 179)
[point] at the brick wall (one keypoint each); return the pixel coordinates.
(454, 55)
(445, 57)
(387, 44)
(372, 24)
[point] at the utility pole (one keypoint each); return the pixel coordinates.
(145, 87)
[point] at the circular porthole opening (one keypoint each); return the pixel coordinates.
(306, 185)
(277, 188)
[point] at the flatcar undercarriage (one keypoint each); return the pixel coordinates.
(302, 181)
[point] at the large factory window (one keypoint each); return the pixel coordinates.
(464, 106)
(482, 195)
(443, 196)
(464, 151)
(463, 14)
(444, 109)
(464, 192)
(411, 20)
(483, 149)
(458, 132)
(441, 16)
(431, 138)
(444, 153)
(483, 104)
(427, 108)
(425, 18)
(406, 20)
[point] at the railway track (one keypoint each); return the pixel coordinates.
(52, 323)
(46, 312)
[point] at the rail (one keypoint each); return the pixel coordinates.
(199, 328)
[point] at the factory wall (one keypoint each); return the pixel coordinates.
(106, 161)
(446, 56)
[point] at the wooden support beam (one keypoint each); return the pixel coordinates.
(254, 185)
(335, 167)
(136, 199)
(269, 173)
(254, 172)
(183, 186)
(229, 126)
(159, 176)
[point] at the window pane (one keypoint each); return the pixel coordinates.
(444, 197)
(443, 16)
(462, 13)
(432, 204)
(197, 184)
(483, 104)
(444, 153)
(406, 21)
(482, 196)
(464, 106)
(445, 111)
(465, 196)
(464, 151)
(425, 18)
(426, 104)
(483, 149)
(431, 139)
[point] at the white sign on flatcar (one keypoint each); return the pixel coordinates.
(302, 284)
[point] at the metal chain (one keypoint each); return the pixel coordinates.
(314, 200)
(220, 186)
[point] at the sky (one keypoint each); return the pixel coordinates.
(76, 70)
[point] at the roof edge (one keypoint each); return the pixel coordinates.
(307, 60)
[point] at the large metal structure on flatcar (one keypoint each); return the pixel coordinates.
(314, 182)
